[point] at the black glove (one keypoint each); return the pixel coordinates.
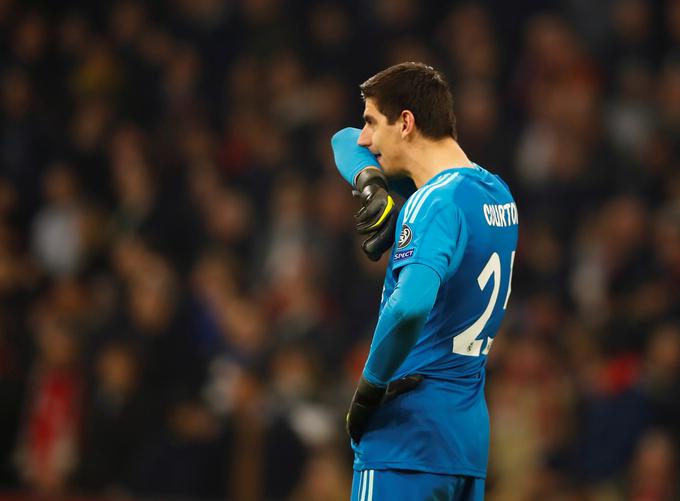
(369, 397)
(377, 216)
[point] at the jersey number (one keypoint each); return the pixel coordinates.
(466, 343)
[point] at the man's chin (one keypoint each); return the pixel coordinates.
(384, 165)
(387, 168)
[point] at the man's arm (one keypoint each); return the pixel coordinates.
(401, 322)
(377, 217)
(351, 159)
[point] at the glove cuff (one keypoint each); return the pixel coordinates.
(370, 175)
(369, 394)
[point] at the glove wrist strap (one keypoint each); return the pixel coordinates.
(368, 393)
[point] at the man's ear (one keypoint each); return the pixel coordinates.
(408, 123)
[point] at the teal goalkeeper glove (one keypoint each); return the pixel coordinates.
(368, 397)
(377, 216)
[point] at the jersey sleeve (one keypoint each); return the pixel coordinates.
(350, 159)
(434, 233)
(401, 322)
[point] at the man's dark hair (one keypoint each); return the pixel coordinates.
(418, 88)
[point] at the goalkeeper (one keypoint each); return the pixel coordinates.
(418, 421)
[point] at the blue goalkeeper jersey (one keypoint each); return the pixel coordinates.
(463, 224)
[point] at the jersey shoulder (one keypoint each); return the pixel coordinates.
(432, 198)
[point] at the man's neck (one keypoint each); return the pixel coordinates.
(428, 158)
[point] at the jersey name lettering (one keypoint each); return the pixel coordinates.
(500, 215)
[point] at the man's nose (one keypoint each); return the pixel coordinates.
(364, 137)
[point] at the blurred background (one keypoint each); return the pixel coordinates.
(185, 309)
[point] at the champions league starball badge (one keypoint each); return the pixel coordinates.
(404, 237)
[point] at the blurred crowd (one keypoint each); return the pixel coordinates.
(184, 306)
